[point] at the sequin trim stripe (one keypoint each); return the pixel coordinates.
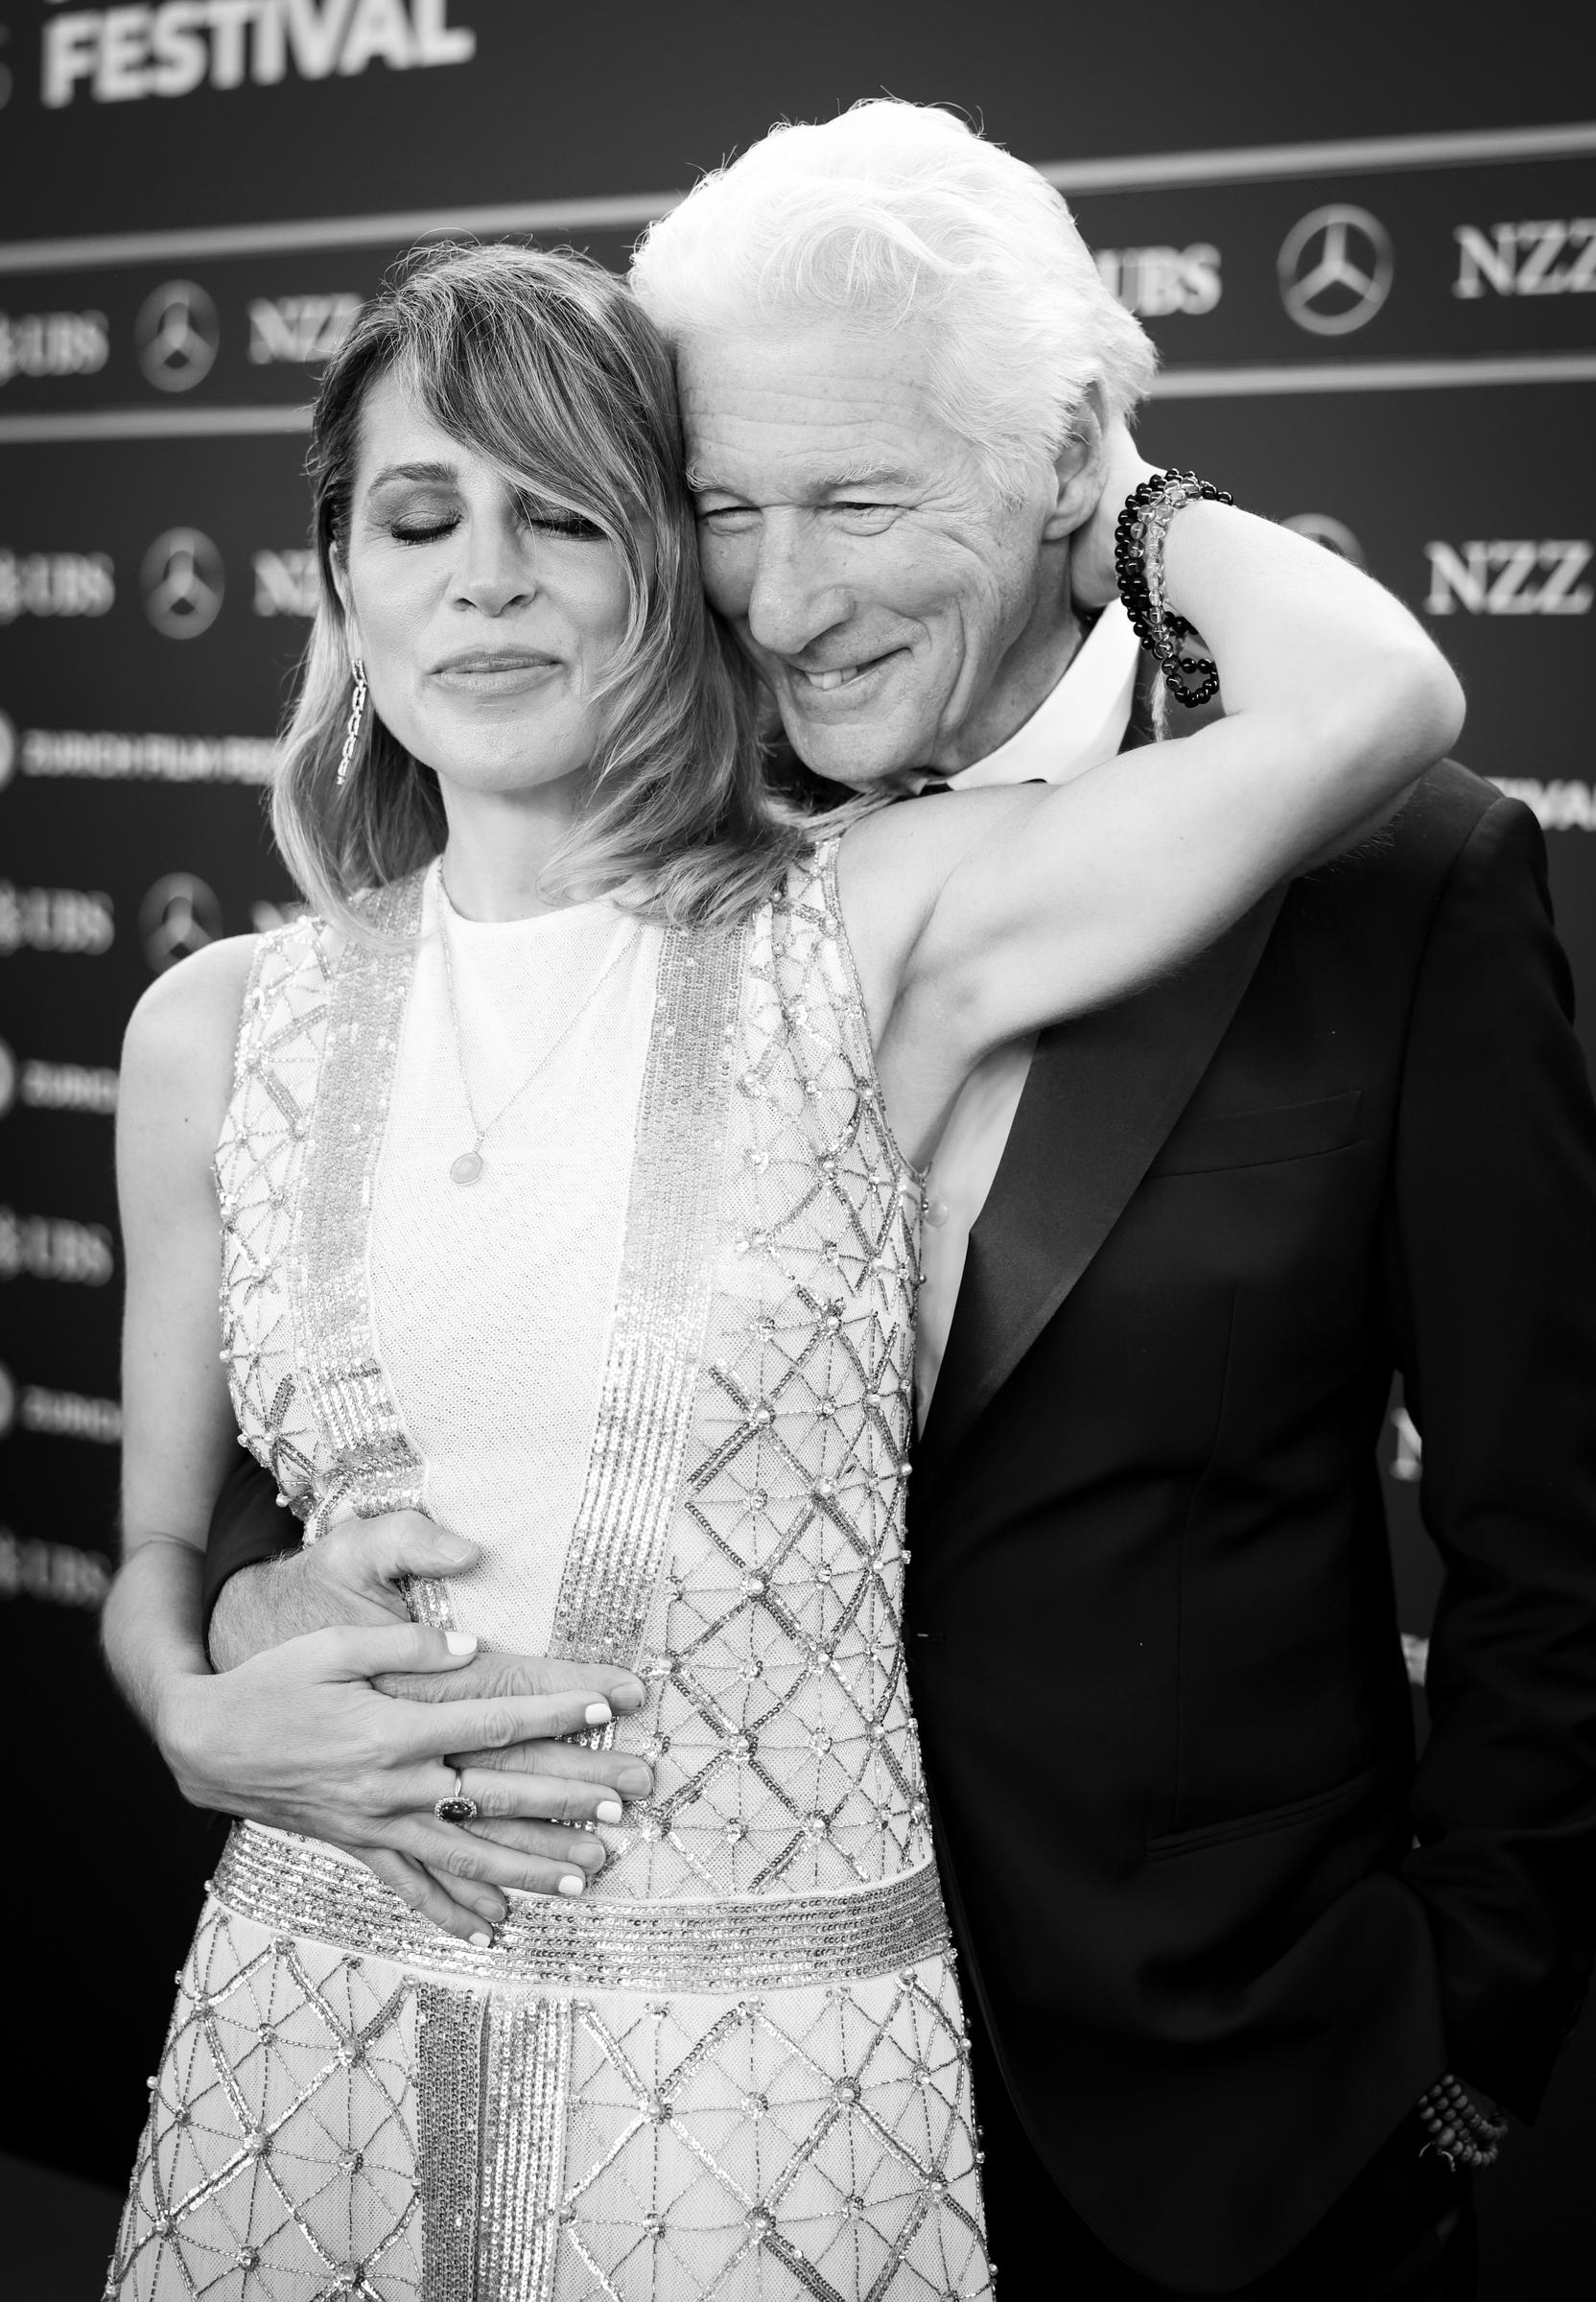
(731, 1946)
(527, 2083)
(373, 1465)
(645, 1409)
(451, 2061)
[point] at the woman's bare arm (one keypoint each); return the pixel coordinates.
(980, 915)
(296, 1737)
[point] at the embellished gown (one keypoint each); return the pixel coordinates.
(656, 1361)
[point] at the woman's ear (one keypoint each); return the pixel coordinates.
(351, 625)
(1079, 470)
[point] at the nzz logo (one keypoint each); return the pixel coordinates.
(1509, 578)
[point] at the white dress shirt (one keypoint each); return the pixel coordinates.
(1079, 725)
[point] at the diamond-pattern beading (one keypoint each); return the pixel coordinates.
(259, 1166)
(784, 1754)
(816, 2142)
(754, 2144)
(280, 2156)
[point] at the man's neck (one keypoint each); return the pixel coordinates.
(1025, 678)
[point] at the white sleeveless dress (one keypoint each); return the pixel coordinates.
(656, 1361)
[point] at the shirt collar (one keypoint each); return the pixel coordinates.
(1080, 723)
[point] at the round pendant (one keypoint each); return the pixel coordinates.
(467, 1167)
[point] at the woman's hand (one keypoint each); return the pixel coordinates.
(298, 1739)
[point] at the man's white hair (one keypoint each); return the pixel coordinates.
(900, 214)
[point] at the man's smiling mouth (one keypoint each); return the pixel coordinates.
(826, 682)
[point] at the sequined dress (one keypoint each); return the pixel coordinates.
(737, 2066)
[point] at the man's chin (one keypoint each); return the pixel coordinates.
(851, 758)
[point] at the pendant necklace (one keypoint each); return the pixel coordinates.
(468, 1167)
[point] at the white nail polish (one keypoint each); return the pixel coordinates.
(608, 1810)
(482, 1941)
(570, 1884)
(597, 1714)
(460, 1642)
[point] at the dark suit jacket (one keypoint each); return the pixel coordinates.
(1154, 1649)
(1155, 1654)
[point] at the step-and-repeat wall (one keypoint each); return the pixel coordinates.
(1385, 341)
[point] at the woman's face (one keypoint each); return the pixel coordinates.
(485, 620)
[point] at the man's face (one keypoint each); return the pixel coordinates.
(904, 616)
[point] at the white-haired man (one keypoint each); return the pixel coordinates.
(1220, 1937)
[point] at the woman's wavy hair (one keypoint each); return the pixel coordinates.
(541, 361)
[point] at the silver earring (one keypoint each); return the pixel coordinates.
(357, 713)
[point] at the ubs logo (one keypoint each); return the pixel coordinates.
(177, 336)
(178, 916)
(183, 583)
(7, 1078)
(1335, 269)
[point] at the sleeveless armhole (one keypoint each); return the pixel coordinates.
(855, 1012)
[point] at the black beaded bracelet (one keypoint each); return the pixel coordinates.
(1460, 2132)
(1139, 569)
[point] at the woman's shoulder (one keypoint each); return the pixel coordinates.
(194, 1009)
(178, 1054)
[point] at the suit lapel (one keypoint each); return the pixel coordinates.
(1102, 1095)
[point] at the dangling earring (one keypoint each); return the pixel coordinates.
(352, 733)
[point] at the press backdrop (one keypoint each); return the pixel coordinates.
(1367, 252)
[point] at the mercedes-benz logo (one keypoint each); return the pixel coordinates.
(1320, 529)
(183, 583)
(7, 1078)
(1335, 269)
(8, 750)
(180, 915)
(177, 336)
(8, 1401)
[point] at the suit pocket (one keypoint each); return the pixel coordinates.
(1256, 1139)
(1314, 1808)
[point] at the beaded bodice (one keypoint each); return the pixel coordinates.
(740, 1538)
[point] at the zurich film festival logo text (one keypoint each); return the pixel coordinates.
(120, 55)
(34, 1085)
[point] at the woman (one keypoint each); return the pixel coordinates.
(582, 1022)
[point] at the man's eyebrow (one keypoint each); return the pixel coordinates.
(830, 483)
(430, 472)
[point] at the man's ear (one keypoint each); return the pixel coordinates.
(1080, 469)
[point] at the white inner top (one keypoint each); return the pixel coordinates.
(493, 1300)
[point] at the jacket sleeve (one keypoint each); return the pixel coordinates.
(246, 1526)
(1494, 1299)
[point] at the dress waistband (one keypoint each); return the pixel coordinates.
(785, 1943)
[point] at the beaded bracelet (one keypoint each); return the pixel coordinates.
(1460, 2132)
(1138, 538)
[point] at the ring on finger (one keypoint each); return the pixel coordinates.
(455, 1806)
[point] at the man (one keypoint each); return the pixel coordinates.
(1220, 1937)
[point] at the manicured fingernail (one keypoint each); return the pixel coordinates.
(460, 1642)
(608, 1810)
(572, 1883)
(482, 1941)
(635, 1782)
(452, 1550)
(597, 1714)
(628, 1695)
